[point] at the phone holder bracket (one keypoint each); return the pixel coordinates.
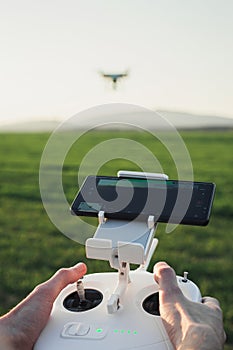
(122, 243)
(119, 252)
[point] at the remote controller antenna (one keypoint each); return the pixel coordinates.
(80, 290)
(185, 277)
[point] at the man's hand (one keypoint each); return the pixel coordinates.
(21, 327)
(190, 325)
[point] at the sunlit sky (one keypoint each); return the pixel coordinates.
(179, 54)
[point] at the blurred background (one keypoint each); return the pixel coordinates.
(178, 55)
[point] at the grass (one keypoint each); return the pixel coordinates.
(32, 248)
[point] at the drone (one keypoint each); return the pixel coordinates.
(114, 77)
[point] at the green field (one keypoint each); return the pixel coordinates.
(32, 248)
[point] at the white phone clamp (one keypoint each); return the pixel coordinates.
(123, 242)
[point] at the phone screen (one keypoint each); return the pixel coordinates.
(173, 201)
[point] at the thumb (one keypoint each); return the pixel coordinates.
(65, 276)
(165, 276)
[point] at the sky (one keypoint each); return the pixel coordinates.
(179, 54)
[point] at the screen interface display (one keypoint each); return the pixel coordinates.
(172, 201)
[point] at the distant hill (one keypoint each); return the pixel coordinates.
(178, 119)
(194, 121)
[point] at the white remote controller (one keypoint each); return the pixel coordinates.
(82, 324)
(116, 311)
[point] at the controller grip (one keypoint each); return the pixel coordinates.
(189, 289)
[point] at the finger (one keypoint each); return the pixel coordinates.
(61, 279)
(214, 304)
(211, 302)
(65, 276)
(165, 276)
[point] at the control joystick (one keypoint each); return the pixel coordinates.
(82, 299)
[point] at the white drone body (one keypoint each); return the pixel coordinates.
(115, 310)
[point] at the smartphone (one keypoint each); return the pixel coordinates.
(173, 201)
